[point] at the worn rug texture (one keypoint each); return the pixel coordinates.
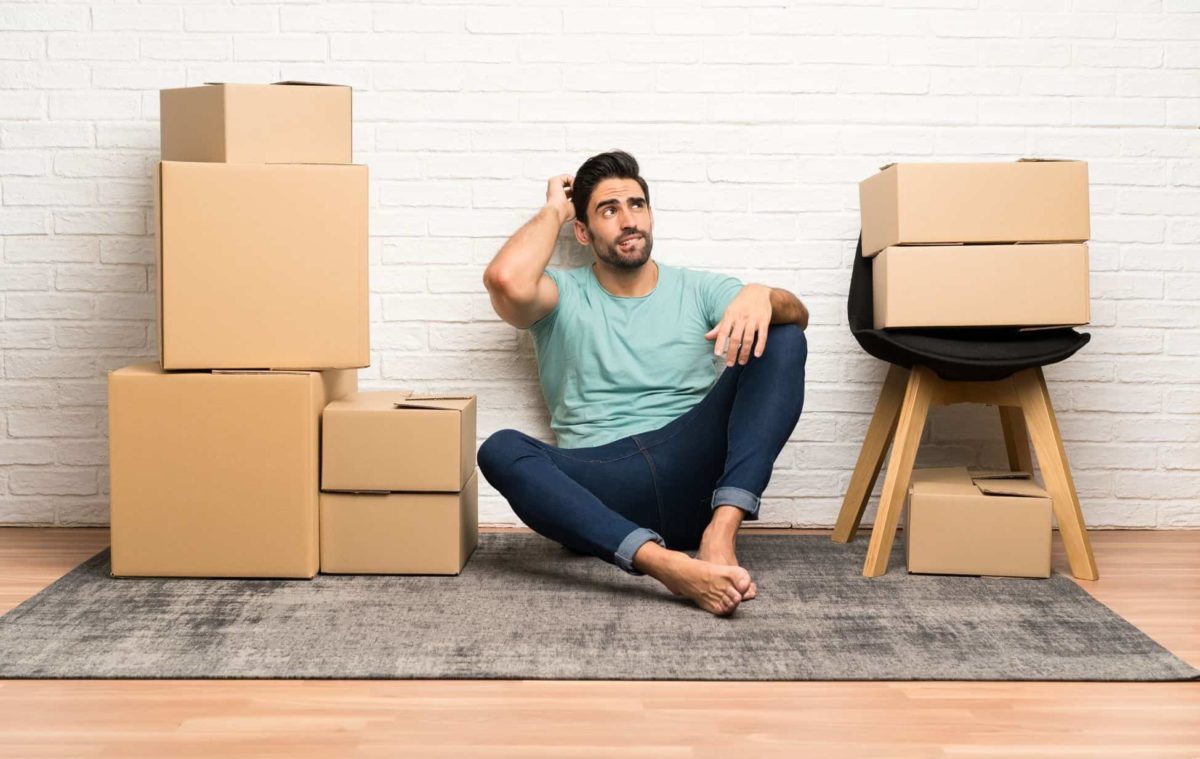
(526, 608)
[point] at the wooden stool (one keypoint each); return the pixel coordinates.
(904, 402)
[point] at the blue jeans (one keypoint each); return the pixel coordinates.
(608, 500)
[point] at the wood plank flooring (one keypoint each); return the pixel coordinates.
(1151, 578)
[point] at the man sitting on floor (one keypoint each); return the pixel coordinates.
(657, 453)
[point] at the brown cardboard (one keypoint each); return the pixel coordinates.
(214, 474)
(981, 285)
(262, 267)
(284, 122)
(954, 525)
(1003, 202)
(426, 444)
(399, 533)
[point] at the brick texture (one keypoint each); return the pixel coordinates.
(753, 122)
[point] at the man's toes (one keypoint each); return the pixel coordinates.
(741, 580)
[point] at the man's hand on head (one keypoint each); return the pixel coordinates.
(558, 197)
(748, 315)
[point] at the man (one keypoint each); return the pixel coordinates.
(656, 454)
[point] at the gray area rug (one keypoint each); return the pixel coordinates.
(526, 608)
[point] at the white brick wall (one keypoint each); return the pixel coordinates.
(753, 122)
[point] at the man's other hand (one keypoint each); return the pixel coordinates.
(749, 314)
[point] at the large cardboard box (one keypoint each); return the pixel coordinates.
(933, 203)
(961, 522)
(262, 266)
(398, 441)
(214, 474)
(284, 122)
(981, 285)
(399, 533)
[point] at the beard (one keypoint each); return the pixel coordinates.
(635, 258)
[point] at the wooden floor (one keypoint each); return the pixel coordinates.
(1150, 578)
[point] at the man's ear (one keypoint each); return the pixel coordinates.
(581, 233)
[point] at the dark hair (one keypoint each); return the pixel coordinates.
(613, 164)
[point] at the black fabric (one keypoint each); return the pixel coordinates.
(970, 354)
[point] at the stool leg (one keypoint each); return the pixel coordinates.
(1047, 443)
(913, 411)
(1016, 439)
(870, 458)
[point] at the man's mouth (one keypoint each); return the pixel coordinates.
(628, 241)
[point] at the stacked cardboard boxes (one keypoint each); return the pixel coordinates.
(978, 244)
(399, 486)
(262, 295)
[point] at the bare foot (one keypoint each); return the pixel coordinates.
(713, 587)
(716, 588)
(716, 546)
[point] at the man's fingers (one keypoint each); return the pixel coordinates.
(735, 338)
(762, 339)
(722, 335)
(747, 340)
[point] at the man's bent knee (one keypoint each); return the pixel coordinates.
(787, 341)
(498, 452)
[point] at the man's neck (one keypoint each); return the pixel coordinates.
(627, 283)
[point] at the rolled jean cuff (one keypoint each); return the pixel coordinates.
(629, 546)
(743, 499)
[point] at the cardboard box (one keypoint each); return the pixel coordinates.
(981, 285)
(262, 267)
(214, 474)
(398, 441)
(284, 122)
(935, 203)
(399, 533)
(961, 522)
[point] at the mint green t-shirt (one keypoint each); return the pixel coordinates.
(612, 366)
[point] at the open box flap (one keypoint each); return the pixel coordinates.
(441, 401)
(310, 84)
(1025, 488)
(287, 82)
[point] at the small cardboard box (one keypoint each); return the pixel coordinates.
(399, 533)
(981, 285)
(940, 203)
(284, 122)
(262, 266)
(392, 441)
(960, 522)
(214, 474)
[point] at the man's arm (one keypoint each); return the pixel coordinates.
(748, 316)
(787, 308)
(516, 279)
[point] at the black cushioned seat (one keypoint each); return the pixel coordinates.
(970, 354)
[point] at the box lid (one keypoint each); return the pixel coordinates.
(1003, 482)
(1030, 159)
(956, 480)
(943, 480)
(284, 82)
(399, 400)
(444, 401)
